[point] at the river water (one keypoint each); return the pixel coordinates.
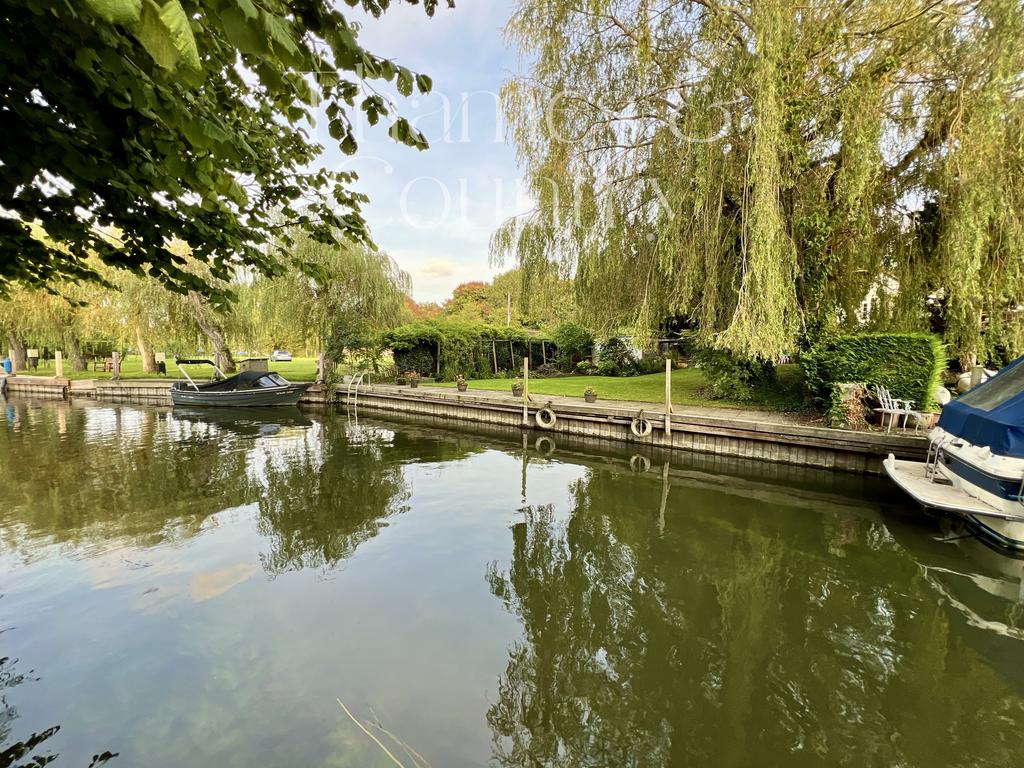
(217, 589)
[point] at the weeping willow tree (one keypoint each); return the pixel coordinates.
(330, 298)
(774, 169)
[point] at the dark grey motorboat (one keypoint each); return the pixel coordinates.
(245, 389)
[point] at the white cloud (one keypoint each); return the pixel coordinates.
(434, 211)
(439, 268)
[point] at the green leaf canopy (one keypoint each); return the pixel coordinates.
(776, 170)
(129, 124)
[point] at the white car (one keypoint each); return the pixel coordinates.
(281, 356)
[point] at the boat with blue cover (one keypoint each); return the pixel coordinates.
(975, 463)
(246, 389)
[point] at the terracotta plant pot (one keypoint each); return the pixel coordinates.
(590, 398)
(462, 387)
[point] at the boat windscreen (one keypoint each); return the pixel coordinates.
(996, 391)
(270, 380)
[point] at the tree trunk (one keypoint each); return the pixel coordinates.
(145, 351)
(17, 351)
(207, 322)
(75, 353)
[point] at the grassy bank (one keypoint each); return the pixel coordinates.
(299, 369)
(688, 388)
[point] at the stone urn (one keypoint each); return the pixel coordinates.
(517, 390)
(462, 386)
(590, 397)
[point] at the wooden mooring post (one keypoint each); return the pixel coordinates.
(526, 391)
(668, 396)
(58, 362)
(117, 365)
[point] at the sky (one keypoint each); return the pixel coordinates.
(434, 211)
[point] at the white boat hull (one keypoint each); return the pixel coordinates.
(934, 487)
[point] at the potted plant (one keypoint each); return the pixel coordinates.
(413, 378)
(590, 395)
(517, 388)
(461, 383)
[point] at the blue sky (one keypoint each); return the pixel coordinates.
(434, 211)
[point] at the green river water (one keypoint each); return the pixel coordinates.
(200, 589)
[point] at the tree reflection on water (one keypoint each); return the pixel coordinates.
(23, 751)
(667, 618)
(320, 503)
(736, 636)
(101, 474)
(146, 477)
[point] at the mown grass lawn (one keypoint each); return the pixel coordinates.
(299, 369)
(688, 388)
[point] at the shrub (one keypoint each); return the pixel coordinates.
(574, 344)
(650, 364)
(385, 368)
(417, 359)
(616, 358)
(482, 369)
(547, 371)
(731, 377)
(910, 365)
(585, 368)
(847, 408)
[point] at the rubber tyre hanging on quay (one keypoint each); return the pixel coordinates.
(640, 427)
(545, 418)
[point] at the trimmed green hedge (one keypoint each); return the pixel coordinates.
(450, 348)
(910, 365)
(416, 359)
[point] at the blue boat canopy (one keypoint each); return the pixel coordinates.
(992, 413)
